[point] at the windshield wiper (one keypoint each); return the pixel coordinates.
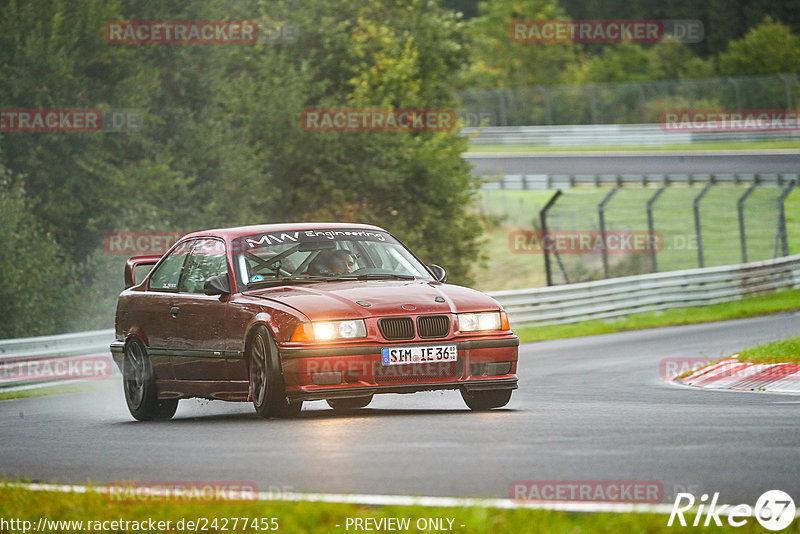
(377, 276)
(267, 282)
(305, 279)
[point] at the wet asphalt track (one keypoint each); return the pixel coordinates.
(587, 409)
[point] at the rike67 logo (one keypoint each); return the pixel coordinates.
(774, 510)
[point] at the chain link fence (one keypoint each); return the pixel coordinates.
(625, 103)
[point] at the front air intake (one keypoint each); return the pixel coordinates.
(395, 328)
(430, 326)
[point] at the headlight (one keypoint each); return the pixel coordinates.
(330, 330)
(474, 322)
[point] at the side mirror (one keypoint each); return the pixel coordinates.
(217, 285)
(439, 274)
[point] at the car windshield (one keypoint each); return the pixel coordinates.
(323, 255)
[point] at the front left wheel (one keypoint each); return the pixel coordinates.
(266, 381)
(139, 383)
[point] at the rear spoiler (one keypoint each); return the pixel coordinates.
(133, 263)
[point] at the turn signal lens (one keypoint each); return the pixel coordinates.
(504, 324)
(303, 332)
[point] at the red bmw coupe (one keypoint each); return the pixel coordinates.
(279, 314)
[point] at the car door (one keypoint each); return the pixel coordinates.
(150, 309)
(198, 347)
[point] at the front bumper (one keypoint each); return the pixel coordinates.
(356, 370)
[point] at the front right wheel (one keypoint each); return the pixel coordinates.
(486, 400)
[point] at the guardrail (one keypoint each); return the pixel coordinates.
(546, 305)
(648, 292)
(19, 354)
(609, 135)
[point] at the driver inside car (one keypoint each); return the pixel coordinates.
(333, 262)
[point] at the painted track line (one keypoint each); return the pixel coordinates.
(406, 500)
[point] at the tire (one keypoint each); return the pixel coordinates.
(480, 401)
(266, 381)
(353, 403)
(139, 383)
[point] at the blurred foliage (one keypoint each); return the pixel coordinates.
(33, 269)
(769, 48)
(497, 61)
(740, 38)
(222, 142)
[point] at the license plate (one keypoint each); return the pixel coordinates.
(419, 354)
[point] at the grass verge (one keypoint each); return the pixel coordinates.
(784, 351)
(57, 389)
(728, 145)
(313, 518)
(748, 307)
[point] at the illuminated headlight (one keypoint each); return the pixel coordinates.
(339, 330)
(474, 322)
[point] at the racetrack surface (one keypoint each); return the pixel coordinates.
(636, 163)
(592, 408)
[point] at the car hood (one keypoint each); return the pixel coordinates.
(378, 298)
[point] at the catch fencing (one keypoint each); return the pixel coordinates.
(693, 220)
(624, 103)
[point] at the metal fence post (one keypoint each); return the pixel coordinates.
(601, 208)
(543, 225)
(651, 226)
(548, 108)
(780, 228)
(735, 85)
(502, 108)
(642, 101)
(788, 86)
(740, 210)
(593, 101)
(697, 228)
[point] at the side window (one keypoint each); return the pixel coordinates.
(207, 259)
(167, 275)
